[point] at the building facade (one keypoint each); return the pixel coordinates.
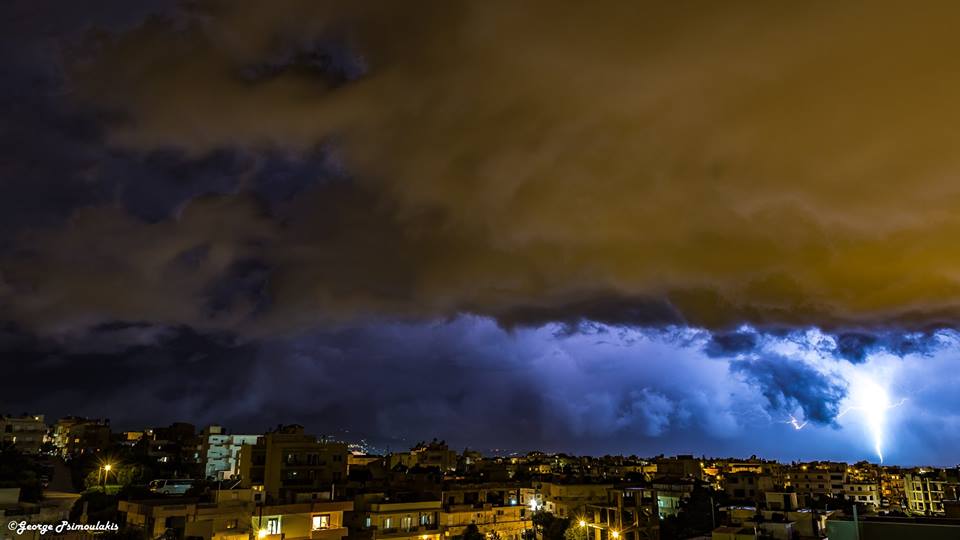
(495, 509)
(924, 491)
(27, 432)
(220, 452)
(235, 515)
(74, 435)
(287, 463)
(380, 516)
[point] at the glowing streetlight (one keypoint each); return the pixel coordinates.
(583, 523)
(262, 533)
(106, 471)
(615, 534)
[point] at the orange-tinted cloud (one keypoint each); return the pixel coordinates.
(701, 164)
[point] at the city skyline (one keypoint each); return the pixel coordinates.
(607, 229)
(178, 481)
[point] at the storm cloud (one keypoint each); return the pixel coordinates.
(722, 166)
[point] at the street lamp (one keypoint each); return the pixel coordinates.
(583, 523)
(106, 470)
(615, 534)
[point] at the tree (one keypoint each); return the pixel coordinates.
(696, 516)
(550, 526)
(473, 533)
(119, 475)
(20, 471)
(575, 532)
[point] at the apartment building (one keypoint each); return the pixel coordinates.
(843, 527)
(26, 432)
(924, 492)
(817, 479)
(435, 454)
(74, 435)
(221, 520)
(220, 452)
(495, 509)
(401, 516)
(671, 492)
(682, 466)
(747, 485)
(569, 499)
(892, 489)
(629, 513)
(288, 464)
(234, 515)
(866, 493)
(309, 520)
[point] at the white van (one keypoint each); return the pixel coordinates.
(171, 487)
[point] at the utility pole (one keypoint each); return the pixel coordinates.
(856, 521)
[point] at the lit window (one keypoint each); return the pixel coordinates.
(321, 522)
(273, 525)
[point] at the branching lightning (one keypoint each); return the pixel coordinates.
(873, 401)
(797, 424)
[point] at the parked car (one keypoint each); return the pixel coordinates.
(171, 486)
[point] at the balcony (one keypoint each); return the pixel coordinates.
(404, 531)
(332, 533)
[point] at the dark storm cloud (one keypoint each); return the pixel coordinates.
(332, 62)
(181, 374)
(49, 149)
(722, 344)
(525, 168)
(154, 186)
(173, 372)
(243, 282)
(789, 384)
(466, 380)
(855, 346)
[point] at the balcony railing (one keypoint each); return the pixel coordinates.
(405, 530)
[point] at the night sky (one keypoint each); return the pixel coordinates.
(605, 227)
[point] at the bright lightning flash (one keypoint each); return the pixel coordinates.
(873, 401)
(797, 424)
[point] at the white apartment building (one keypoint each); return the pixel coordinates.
(221, 451)
(863, 492)
(924, 492)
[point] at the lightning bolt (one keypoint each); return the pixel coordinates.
(859, 408)
(797, 424)
(873, 402)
